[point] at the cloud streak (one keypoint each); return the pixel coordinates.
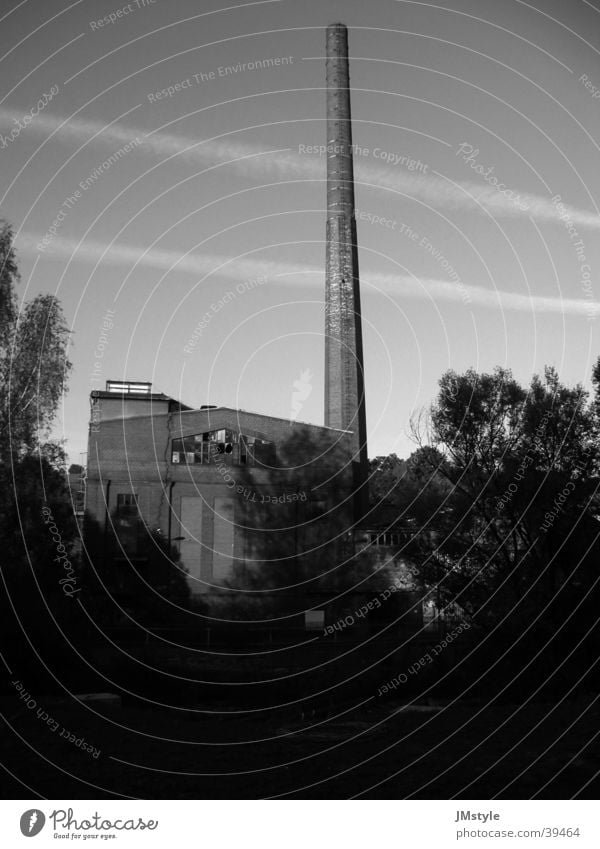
(245, 267)
(254, 161)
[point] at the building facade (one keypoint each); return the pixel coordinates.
(189, 475)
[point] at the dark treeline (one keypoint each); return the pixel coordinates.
(499, 509)
(40, 575)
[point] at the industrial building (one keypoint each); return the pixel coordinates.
(185, 473)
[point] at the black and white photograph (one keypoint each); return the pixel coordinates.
(300, 417)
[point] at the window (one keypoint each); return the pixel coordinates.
(314, 620)
(127, 504)
(386, 539)
(128, 387)
(126, 522)
(222, 446)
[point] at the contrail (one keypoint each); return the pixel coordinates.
(258, 161)
(243, 267)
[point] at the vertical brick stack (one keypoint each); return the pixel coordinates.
(344, 372)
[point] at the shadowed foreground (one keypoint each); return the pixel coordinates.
(378, 751)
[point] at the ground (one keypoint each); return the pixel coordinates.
(382, 749)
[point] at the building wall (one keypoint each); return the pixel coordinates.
(198, 508)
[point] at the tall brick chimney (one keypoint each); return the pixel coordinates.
(344, 372)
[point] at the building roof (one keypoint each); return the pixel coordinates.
(212, 411)
(218, 409)
(142, 391)
(151, 396)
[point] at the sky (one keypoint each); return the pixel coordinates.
(160, 166)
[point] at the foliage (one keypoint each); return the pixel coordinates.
(39, 566)
(405, 494)
(33, 371)
(31, 490)
(41, 576)
(129, 584)
(516, 540)
(34, 366)
(300, 544)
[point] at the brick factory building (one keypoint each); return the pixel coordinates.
(185, 473)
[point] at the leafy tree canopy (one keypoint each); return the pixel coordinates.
(34, 364)
(515, 536)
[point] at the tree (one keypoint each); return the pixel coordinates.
(40, 576)
(37, 525)
(33, 372)
(405, 494)
(141, 584)
(300, 551)
(515, 541)
(34, 366)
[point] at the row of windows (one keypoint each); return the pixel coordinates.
(222, 446)
(389, 539)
